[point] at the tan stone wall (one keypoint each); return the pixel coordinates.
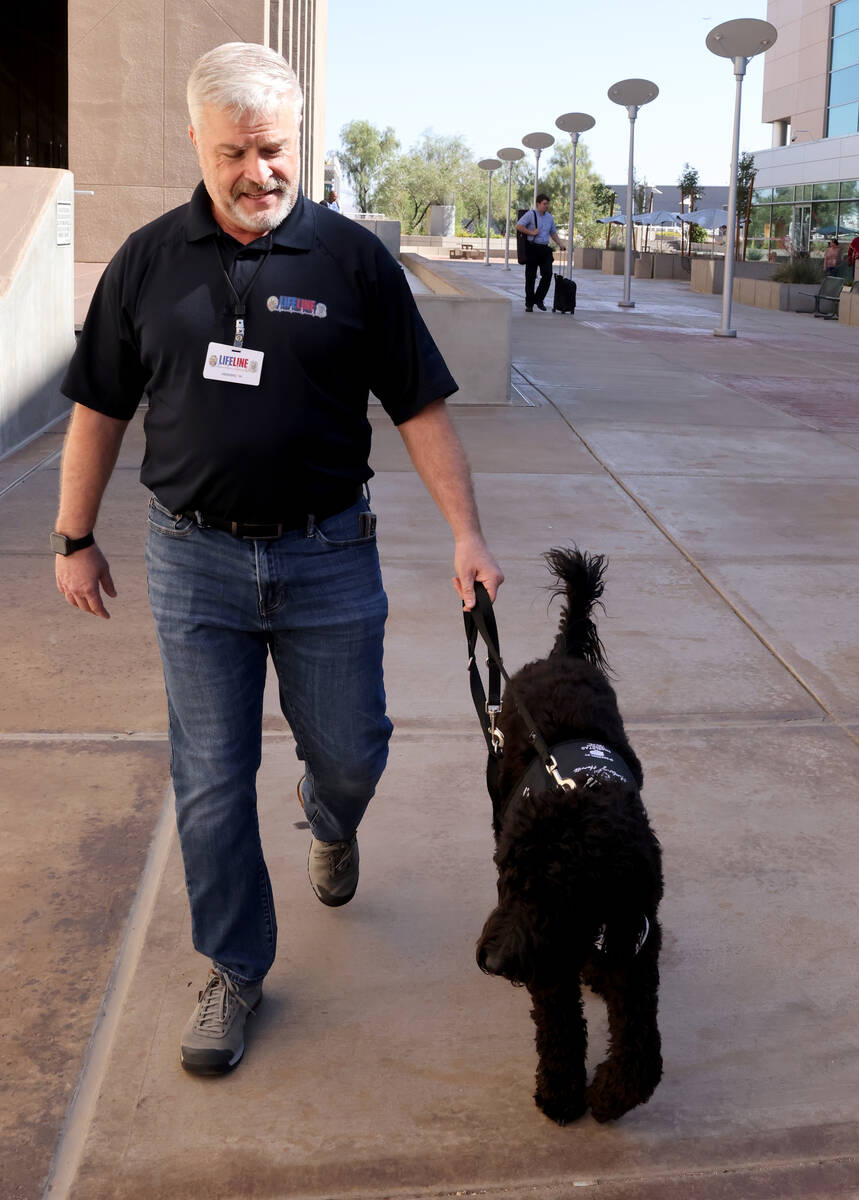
(128, 65)
(796, 68)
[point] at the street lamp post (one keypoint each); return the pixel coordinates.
(573, 124)
(489, 165)
(510, 155)
(632, 94)
(739, 41)
(537, 142)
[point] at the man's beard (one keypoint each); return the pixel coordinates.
(262, 222)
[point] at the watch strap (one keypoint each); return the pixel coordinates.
(62, 544)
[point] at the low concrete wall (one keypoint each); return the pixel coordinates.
(643, 268)
(792, 297)
(471, 326)
(387, 231)
(671, 266)
(37, 298)
(708, 274)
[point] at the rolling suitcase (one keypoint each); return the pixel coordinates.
(565, 294)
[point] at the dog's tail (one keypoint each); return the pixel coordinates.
(580, 576)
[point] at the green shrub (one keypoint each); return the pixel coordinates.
(754, 254)
(799, 270)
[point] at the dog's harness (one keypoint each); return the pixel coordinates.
(592, 760)
(589, 760)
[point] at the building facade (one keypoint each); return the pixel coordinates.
(121, 124)
(807, 182)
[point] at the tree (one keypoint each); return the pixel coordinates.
(745, 186)
(437, 170)
(364, 154)
(690, 190)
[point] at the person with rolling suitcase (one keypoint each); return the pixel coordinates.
(537, 226)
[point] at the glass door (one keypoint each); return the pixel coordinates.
(800, 229)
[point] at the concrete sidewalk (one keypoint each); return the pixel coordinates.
(721, 479)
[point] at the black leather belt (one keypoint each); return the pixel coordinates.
(250, 530)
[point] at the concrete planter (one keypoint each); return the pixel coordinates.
(612, 262)
(586, 258)
(848, 309)
(707, 275)
(643, 268)
(800, 297)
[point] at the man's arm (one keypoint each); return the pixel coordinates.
(440, 460)
(89, 456)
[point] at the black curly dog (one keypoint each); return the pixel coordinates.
(579, 868)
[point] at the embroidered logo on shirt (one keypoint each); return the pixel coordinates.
(294, 304)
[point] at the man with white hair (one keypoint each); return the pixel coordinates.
(256, 324)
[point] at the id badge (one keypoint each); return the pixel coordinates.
(233, 366)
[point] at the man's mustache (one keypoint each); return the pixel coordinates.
(274, 185)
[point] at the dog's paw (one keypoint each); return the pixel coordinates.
(618, 1087)
(561, 1107)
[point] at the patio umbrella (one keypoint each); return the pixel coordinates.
(614, 219)
(660, 217)
(707, 218)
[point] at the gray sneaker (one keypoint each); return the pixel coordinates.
(333, 870)
(213, 1041)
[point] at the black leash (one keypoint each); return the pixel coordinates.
(480, 620)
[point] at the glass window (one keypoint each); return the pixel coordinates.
(843, 121)
(759, 221)
(762, 195)
(804, 193)
(845, 50)
(782, 215)
(844, 86)
(824, 223)
(849, 187)
(848, 219)
(783, 193)
(845, 16)
(825, 191)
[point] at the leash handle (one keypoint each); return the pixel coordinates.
(481, 620)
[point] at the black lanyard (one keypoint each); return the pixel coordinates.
(239, 306)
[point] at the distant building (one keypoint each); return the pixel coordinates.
(100, 89)
(807, 184)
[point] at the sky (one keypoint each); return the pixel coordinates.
(497, 72)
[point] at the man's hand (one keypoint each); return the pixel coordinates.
(472, 561)
(80, 578)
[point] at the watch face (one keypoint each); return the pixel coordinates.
(59, 543)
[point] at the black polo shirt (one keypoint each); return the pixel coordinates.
(334, 316)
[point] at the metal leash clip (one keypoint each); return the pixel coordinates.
(566, 785)
(495, 734)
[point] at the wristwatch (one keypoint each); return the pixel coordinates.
(61, 544)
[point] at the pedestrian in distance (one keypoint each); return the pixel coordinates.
(538, 226)
(331, 201)
(256, 324)
(832, 258)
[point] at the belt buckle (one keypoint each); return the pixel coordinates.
(239, 526)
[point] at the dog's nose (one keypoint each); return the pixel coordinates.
(489, 961)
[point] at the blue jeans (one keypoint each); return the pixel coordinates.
(314, 600)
